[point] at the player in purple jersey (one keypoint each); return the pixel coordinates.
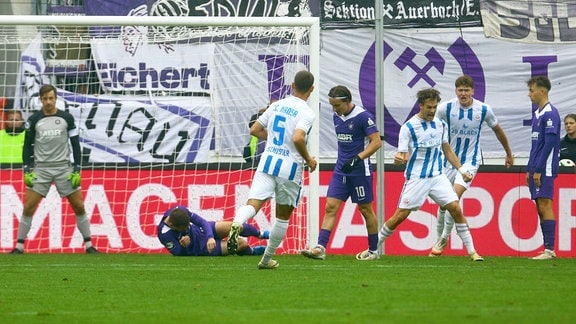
(421, 142)
(46, 158)
(358, 138)
(185, 233)
(543, 161)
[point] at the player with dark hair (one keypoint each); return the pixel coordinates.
(46, 158)
(285, 126)
(422, 141)
(358, 139)
(185, 233)
(543, 162)
(465, 116)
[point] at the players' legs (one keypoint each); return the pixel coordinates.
(448, 219)
(330, 209)
(390, 225)
(287, 198)
(222, 229)
(461, 226)
(547, 222)
(82, 221)
(543, 198)
(371, 225)
(31, 201)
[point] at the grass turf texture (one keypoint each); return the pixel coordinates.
(130, 288)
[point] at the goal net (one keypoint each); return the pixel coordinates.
(162, 105)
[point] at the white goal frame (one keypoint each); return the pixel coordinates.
(312, 23)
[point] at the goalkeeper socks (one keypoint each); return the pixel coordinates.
(464, 232)
(324, 237)
(23, 229)
(277, 233)
(448, 225)
(249, 230)
(440, 222)
(549, 233)
(244, 213)
(83, 224)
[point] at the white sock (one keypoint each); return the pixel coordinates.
(464, 232)
(244, 213)
(277, 233)
(440, 222)
(83, 224)
(448, 225)
(383, 234)
(23, 229)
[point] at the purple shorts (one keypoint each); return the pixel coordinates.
(358, 188)
(546, 189)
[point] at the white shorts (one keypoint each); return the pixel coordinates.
(265, 186)
(415, 192)
(455, 177)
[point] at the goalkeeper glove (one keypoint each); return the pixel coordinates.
(29, 176)
(351, 164)
(74, 177)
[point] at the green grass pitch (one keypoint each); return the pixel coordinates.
(131, 288)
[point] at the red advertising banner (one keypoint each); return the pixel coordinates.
(125, 206)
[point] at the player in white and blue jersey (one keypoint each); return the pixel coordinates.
(358, 139)
(50, 133)
(285, 125)
(185, 233)
(422, 142)
(542, 167)
(465, 116)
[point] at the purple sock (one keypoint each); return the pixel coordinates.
(249, 230)
(324, 237)
(373, 242)
(248, 251)
(549, 232)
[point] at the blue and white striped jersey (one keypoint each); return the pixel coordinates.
(464, 127)
(423, 140)
(280, 157)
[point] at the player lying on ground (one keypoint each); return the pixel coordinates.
(185, 233)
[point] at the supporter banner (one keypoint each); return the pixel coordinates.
(420, 58)
(124, 129)
(502, 218)
(401, 14)
(530, 21)
(135, 65)
(225, 8)
(332, 13)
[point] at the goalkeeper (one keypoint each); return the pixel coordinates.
(46, 160)
(185, 233)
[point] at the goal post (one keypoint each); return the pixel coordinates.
(162, 106)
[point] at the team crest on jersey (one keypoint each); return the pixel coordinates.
(351, 126)
(477, 117)
(169, 245)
